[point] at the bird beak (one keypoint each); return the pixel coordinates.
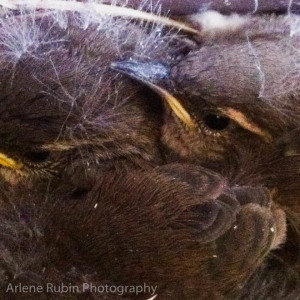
(156, 76)
(8, 162)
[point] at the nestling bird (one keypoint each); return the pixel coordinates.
(139, 192)
(228, 103)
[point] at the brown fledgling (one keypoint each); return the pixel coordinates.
(229, 104)
(154, 210)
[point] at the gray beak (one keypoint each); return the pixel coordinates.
(156, 76)
(153, 73)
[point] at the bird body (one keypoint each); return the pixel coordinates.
(103, 183)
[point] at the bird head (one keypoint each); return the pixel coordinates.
(225, 101)
(59, 100)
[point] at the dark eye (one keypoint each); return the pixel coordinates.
(37, 157)
(216, 122)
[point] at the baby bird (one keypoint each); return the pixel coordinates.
(61, 103)
(232, 105)
(138, 192)
(229, 96)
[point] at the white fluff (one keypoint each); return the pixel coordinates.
(21, 34)
(98, 9)
(213, 22)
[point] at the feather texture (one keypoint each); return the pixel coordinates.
(107, 184)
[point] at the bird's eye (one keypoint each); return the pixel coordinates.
(37, 157)
(216, 122)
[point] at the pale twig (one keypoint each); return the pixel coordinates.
(97, 8)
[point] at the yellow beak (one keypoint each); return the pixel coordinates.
(176, 106)
(8, 162)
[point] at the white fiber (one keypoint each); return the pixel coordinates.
(212, 21)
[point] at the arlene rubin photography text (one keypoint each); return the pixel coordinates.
(83, 288)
